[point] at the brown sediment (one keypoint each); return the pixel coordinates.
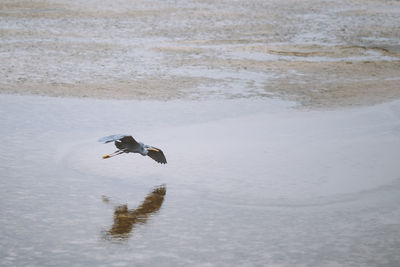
(150, 88)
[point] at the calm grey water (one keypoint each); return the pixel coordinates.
(263, 186)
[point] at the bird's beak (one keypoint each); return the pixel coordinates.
(154, 149)
(106, 156)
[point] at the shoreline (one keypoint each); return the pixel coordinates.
(302, 102)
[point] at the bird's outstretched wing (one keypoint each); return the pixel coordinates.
(127, 139)
(157, 155)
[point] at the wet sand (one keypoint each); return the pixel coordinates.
(318, 53)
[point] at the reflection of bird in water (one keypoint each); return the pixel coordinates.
(124, 219)
(126, 144)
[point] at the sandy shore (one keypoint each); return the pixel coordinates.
(318, 53)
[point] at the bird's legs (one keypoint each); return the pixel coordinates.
(113, 154)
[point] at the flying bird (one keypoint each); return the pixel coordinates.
(127, 144)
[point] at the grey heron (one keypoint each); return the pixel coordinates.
(127, 144)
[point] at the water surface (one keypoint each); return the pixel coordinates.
(263, 185)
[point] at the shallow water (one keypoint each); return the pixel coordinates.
(255, 186)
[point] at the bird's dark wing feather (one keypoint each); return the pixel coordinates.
(126, 143)
(127, 139)
(157, 155)
(123, 137)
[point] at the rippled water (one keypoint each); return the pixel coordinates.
(263, 185)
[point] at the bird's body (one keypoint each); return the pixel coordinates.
(127, 144)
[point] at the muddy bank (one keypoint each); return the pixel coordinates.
(319, 53)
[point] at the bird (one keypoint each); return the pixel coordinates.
(126, 144)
